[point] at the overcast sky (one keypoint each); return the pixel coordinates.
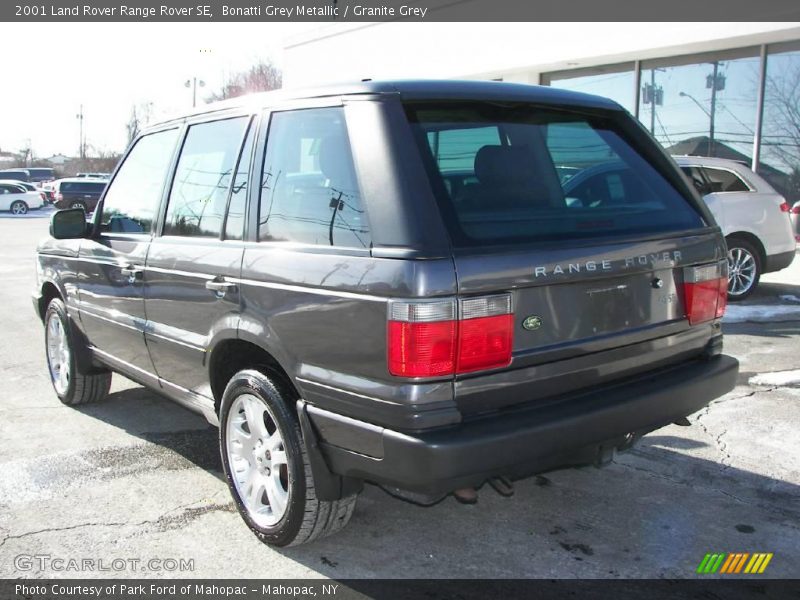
(50, 69)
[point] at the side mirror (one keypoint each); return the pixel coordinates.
(69, 224)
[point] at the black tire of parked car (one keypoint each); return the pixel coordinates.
(83, 388)
(18, 207)
(737, 242)
(306, 518)
(78, 204)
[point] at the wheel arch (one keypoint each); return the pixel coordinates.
(753, 240)
(229, 355)
(47, 292)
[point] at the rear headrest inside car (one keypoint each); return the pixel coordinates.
(503, 164)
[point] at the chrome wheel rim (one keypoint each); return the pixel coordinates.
(78, 205)
(741, 271)
(58, 355)
(257, 460)
(19, 208)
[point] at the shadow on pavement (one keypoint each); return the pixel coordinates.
(664, 496)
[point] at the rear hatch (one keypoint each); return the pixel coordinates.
(590, 230)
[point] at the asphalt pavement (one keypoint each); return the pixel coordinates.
(133, 486)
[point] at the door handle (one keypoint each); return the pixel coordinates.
(133, 272)
(220, 286)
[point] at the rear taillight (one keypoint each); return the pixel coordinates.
(59, 197)
(785, 207)
(431, 339)
(705, 292)
(796, 209)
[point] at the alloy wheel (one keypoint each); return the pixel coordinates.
(58, 354)
(741, 271)
(257, 459)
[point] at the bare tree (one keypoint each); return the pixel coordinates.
(260, 77)
(140, 117)
(782, 116)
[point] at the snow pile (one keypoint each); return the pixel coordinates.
(790, 298)
(777, 378)
(761, 313)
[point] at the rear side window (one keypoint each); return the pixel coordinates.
(203, 176)
(523, 174)
(309, 192)
(132, 200)
(720, 180)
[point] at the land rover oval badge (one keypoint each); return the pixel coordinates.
(532, 323)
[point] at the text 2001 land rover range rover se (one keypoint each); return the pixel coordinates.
(386, 282)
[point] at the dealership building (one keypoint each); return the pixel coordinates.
(730, 90)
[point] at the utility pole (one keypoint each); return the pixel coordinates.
(81, 142)
(654, 96)
(714, 86)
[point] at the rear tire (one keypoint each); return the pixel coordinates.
(18, 207)
(267, 467)
(72, 386)
(744, 268)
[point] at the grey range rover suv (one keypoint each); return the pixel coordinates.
(386, 282)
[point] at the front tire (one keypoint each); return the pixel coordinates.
(744, 269)
(72, 387)
(267, 467)
(18, 207)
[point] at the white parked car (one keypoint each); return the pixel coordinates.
(754, 219)
(18, 200)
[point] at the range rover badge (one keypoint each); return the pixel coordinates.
(657, 283)
(532, 323)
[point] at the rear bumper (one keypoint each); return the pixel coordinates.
(776, 262)
(520, 442)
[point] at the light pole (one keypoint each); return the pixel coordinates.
(81, 143)
(193, 83)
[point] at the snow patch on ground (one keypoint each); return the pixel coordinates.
(761, 313)
(790, 298)
(777, 378)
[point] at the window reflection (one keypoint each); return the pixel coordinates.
(616, 82)
(704, 108)
(780, 137)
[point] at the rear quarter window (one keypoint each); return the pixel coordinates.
(521, 174)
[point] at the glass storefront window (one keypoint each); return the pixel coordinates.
(702, 105)
(780, 131)
(616, 82)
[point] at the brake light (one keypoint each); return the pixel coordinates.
(705, 292)
(485, 334)
(785, 207)
(428, 339)
(59, 197)
(796, 209)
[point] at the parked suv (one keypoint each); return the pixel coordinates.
(295, 268)
(755, 219)
(77, 192)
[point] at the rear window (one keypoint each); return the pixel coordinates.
(520, 174)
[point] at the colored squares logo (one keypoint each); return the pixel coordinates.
(733, 563)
